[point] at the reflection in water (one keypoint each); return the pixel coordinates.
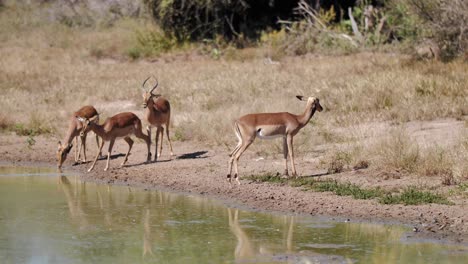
(147, 243)
(244, 249)
(73, 199)
(62, 220)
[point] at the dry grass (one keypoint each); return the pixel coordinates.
(49, 70)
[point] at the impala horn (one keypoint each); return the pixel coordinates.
(143, 85)
(154, 87)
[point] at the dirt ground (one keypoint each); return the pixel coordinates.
(198, 169)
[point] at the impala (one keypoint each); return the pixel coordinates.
(117, 126)
(271, 125)
(74, 129)
(158, 113)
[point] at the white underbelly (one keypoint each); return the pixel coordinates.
(262, 136)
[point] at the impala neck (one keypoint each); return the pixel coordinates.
(71, 134)
(308, 113)
(151, 105)
(98, 129)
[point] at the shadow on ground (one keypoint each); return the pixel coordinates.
(194, 155)
(102, 157)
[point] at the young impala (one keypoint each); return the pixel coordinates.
(158, 113)
(117, 126)
(270, 125)
(74, 129)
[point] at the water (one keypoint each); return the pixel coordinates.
(47, 218)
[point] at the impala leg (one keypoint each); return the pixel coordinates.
(130, 144)
(148, 132)
(236, 148)
(156, 139)
(231, 159)
(83, 143)
(239, 143)
(169, 139)
(109, 151)
(285, 156)
(77, 150)
(291, 154)
(245, 145)
(161, 143)
(97, 156)
(97, 144)
(146, 138)
(234, 152)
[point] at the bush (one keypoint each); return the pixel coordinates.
(196, 20)
(151, 42)
(446, 21)
(399, 152)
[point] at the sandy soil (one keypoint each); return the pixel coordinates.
(198, 169)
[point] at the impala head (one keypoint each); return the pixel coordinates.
(149, 95)
(62, 153)
(313, 100)
(86, 122)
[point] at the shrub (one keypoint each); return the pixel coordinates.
(338, 162)
(197, 20)
(399, 152)
(446, 21)
(5, 122)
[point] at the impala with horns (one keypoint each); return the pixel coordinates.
(74, 129)
(158, 113)
(118, 126)
(271, 125)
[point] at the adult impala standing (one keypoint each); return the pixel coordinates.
(117, 126)
(158, 113)
(270, 125)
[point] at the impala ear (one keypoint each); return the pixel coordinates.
(59, 145)
(79, 118)
(300, 97)
(94, 118)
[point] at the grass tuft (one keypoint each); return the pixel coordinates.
(25, 130)
(347, 189)
(268, 177)
(409, 196)
(412, 196)
(399, 152)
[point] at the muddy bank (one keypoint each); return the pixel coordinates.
(198, 169)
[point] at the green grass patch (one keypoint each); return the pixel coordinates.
(347, 189)
(24, 130)
(151, 43)
(410, 196)
(268, 177)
